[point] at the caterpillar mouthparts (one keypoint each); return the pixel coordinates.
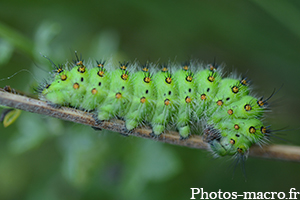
(187, 97)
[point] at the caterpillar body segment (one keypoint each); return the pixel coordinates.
(143, 100)
(79, 77)
(186, 102)
(118, 99)
(166, 101)
(98, 88)
(207, 83)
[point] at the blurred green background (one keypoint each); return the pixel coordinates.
(45, 158)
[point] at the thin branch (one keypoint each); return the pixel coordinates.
(281, 152)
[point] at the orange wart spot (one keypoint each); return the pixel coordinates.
(189, 78)
(252, 130)
(100, 73)
(143, 100)
(240, 150)
(230, 112)
(81, 69)
(220, 103)
(244, 82)
(100, 64)
(124, 76)
(247, 107)
(76, 86)
(118, 95)
(263, 130)
(211, 67)
(168, 80)
(79, 62)
(167, 102)
(260, 103)
(94, 91)
(232, 141)
(235, 89)
(164, 69)
(123, 67)
(63, 77)
(145, 69)
(188, 99)
(203, 96)
(59, 70)
(211, 78)
(147, 79)
(236, 127)
(185, 67)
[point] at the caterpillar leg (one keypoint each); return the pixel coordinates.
(103, 116)
(158, 122)
(183, 119)
(134, 115)
(105, 112)
(131, 124)
(183, 127)
(113, 107)
(184, 131)
(158, 129)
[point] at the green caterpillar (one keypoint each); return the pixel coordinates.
(182, 96)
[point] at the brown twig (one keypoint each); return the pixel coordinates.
(282, 152)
